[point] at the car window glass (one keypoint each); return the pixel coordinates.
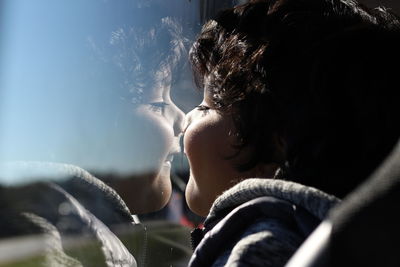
(92, 100)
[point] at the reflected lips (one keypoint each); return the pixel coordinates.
(169, 160)
(175, 149)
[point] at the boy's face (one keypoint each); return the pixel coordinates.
(208, 141)
(156, 141)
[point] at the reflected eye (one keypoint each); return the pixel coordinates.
(158, 107)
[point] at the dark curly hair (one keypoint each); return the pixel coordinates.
(314, 73)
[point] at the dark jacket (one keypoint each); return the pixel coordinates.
(259, 222)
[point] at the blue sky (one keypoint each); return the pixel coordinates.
(60, 92)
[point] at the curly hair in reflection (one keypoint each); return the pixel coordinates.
(310, 79)
(147, 54)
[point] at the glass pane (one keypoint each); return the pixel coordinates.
(92, 100)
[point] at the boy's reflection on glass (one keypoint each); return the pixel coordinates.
(144, 58)
(149, 58)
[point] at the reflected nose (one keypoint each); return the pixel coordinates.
(187, 121)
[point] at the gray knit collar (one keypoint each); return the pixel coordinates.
(311, 199)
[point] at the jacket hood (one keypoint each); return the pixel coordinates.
(311, 199)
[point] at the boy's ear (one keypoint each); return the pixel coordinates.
(280, 148)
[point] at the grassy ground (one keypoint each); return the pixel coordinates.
(155, 243)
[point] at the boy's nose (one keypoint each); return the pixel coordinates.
(187, 121)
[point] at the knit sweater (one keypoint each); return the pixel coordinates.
(68, 230)
(259, 222)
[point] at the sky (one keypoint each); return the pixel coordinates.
(60, 90)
